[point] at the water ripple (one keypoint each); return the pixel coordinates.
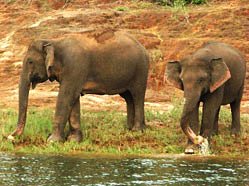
(30, 170)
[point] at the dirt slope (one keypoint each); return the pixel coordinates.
(167, 33)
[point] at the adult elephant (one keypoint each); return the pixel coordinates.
(214, 75)
(112, 63)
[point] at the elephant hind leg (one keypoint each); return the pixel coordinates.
(139, 121)
(235, 109)
(75, 133)
(130, 108)
(67, 97)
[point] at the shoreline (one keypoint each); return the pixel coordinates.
(181, 156)
(105, 132)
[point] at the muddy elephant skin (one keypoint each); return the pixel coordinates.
(214, 75)
(113, 63)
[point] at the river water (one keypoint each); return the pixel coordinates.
(20, 170)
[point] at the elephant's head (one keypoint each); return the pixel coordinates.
(38, 62)
(37, 68)
(197, 75)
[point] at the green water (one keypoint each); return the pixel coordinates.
(30, 170)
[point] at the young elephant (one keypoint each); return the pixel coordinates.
(214, 75)
(114, 63)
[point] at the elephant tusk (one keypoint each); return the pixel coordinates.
(194, 138)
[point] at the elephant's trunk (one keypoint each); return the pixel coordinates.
(189, 106)
(24, 86)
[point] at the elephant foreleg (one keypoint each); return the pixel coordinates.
(211, 106)
(75, 133)
(67, 97)
(208, 119)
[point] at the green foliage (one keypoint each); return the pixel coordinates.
(179, 3)
(197, 1)
(122, 8)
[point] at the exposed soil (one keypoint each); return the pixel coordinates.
(166, 33)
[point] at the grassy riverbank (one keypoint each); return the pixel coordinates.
(105, 132)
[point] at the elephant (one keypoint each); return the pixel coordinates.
(111, 63)
(214, 75)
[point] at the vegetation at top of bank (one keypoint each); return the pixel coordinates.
(173, 3)
(105, 133)
(177, 3)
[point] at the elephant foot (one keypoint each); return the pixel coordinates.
(235, 132)
(215, 133)
(75, 136)
(138, 128)
(55, 138)
(17, 132)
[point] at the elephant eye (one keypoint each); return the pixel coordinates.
(201, 80)
(30, 62)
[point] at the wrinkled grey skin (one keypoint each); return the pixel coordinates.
(81, 65)
(214, 75)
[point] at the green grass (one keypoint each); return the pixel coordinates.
(121, 8)
(105, 132)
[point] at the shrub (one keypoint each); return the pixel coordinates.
(197, 1)
(179, 2)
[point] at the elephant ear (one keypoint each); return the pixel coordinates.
(48, 48)
(173, 70)
(219, 73)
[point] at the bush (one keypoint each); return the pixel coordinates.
(197, 1)
(179, 2)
